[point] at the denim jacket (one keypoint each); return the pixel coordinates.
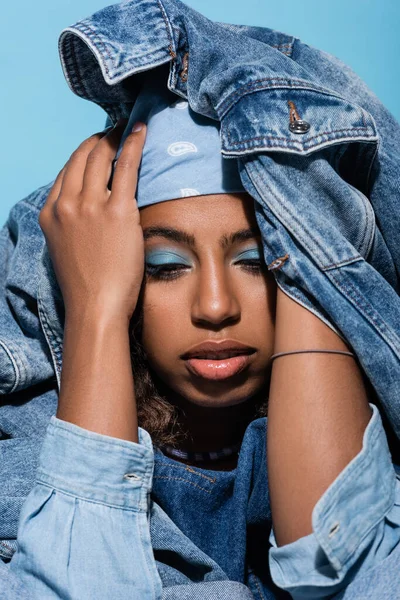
(316, 150)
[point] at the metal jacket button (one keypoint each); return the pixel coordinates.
(299, 126)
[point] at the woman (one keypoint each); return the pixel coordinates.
(215, 343)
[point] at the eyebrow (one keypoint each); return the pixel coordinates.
(180, 236)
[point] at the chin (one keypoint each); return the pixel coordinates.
(210, 402)
(213, 396)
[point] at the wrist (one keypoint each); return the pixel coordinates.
(95, 317)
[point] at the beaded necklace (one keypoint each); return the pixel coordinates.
(201, 456)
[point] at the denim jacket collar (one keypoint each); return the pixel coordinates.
(99, 55)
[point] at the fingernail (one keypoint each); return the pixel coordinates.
(138, 126)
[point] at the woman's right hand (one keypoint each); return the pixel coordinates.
(94, 236)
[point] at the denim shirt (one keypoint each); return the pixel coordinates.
(114, 528)
(326, 201)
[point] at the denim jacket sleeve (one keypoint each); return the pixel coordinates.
(84, 528)
(356, 524)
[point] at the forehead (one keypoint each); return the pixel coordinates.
(202, 215)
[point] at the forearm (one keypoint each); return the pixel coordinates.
(97, 388)
(317, 414)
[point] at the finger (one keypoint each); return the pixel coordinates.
(75, 168)
(99, 164)
(127, 166)
(55, 190)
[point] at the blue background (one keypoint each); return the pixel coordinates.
(43, 121)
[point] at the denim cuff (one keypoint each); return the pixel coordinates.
(97, 467)
(353, 505)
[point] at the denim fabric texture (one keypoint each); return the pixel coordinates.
(84, 481)
(326, 202)
(106, 536)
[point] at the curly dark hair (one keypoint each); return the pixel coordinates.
(156, 414)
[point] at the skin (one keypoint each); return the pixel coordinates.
(318, 405)
(212, 297)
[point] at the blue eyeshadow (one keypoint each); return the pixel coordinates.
(249, 254)
(162, 257)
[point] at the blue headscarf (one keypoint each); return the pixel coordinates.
(182, 152)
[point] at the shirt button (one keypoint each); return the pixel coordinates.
(299, 126)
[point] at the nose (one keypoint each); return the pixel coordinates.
(215, 301)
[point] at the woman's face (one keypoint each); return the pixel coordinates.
(206, 280)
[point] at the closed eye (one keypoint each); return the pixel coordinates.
(163, 265)
(166, 271)
(251, 260)
(254, 266)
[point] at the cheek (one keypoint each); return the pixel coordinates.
(166, 319)
(258, 308)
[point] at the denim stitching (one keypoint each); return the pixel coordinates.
(14, 364)
(343, 262)
(288, 82)
(367, 310)
(297, 228)
(76, 80)
(56, 488)
(56, 337)
(298, 224)
(103, 445)
(187, 468)
(287, 52)
(67, 61)
(167, 25)
(255, 578)
(210, 479)
(184, 480)
(292, 142)
(56, 343)
(91, 33)
(291, 84)
(150, 565)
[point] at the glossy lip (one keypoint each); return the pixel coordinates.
(218, 360)
(217, 370)
(211, 349)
